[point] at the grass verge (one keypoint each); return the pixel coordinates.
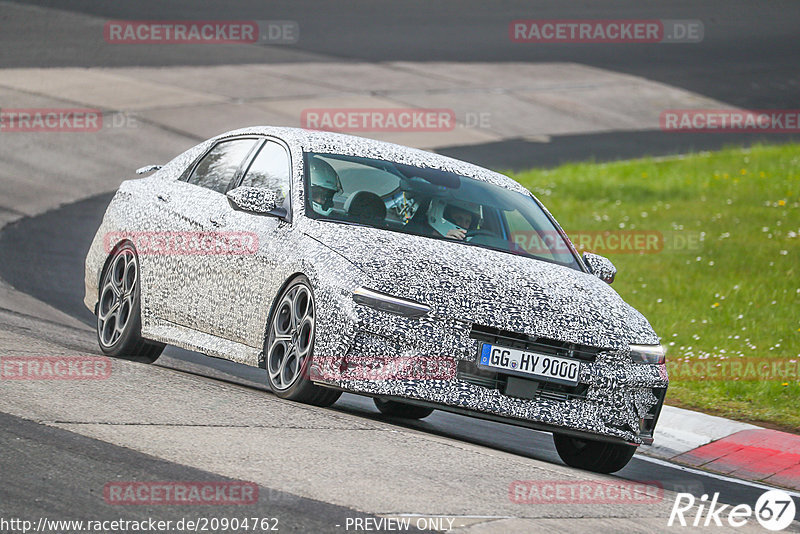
(723, 284)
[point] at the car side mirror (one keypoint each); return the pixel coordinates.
(257, 200)
(600, 266)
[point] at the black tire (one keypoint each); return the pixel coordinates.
(297, 387)
(126, 343)
(591, 455)
(401, 409)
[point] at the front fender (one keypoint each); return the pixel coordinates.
(333, 279)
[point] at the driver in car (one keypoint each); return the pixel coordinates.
(452, 218)
(325, 184)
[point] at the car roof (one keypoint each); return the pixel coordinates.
(337, 143)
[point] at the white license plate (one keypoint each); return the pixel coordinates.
(525, 363)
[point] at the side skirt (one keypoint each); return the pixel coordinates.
(189, 339)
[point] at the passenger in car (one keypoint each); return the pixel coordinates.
(367, 208)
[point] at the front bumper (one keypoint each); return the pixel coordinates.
(615, 399)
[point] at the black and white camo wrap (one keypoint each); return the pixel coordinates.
(220, 304)
(255, 199)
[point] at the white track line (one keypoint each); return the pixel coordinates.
(665, 463)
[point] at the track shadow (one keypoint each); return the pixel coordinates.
(43, 255)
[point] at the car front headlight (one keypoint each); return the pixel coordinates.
(652, 354)
(388, 303)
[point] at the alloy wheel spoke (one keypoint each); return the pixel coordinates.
(287, 368)
(112, 310)
(115, 288)
(118, 268)
(303, 351)
(274, 374)
(109, 337)
(130, 275)
(282, 368)
(129, 302)
(293, 308)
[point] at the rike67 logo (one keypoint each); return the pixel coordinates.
(774, 510)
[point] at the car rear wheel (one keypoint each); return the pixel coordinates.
(597, 456)
(401, 409)
(290, 346)
(119, 317)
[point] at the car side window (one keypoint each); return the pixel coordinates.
(271, 170)
(217, 168)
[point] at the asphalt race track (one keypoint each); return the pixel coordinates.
(65, 457)
(748, 57)
(52, 245)
(192, 417)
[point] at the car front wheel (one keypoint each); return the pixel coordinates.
(597, 456)
(290, 347)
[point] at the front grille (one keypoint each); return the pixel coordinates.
(537, 344)
(470, 372)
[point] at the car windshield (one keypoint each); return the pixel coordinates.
(431, 203)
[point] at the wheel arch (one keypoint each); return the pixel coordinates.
(106, 262)
(262, 359)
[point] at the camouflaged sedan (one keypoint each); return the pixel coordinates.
(344, 264)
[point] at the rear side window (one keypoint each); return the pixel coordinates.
(270, 170)
(217, 168)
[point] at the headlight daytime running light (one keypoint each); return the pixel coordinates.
(389, 303)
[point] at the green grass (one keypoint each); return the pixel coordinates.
(735, 296)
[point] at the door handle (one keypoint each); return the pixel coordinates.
(163, 197)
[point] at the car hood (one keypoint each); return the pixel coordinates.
(488, 287)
